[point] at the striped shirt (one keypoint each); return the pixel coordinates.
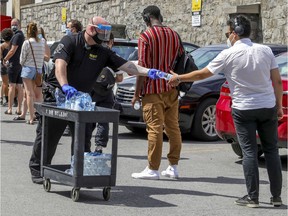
(26, 57)
(158, 48)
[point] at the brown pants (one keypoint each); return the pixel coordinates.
(162, 110)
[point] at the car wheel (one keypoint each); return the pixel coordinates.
(237, 150)
(203, 126)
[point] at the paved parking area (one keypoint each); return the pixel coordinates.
(211, 179)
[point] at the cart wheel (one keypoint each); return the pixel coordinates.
(47, 185)
(75, 194)
(106, 193)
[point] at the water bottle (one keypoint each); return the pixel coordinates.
(60, 98)
(164, 75)
(87, 102)
(137, 105)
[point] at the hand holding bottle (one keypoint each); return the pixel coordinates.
(158, 74)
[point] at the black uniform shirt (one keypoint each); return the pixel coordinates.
(85, 64)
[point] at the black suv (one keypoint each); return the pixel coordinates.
(196, 108)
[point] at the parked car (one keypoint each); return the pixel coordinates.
(224, 122)
(197, 107)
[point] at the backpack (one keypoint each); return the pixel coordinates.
(105, 82)
(182, 65)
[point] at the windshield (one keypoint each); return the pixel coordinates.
(127, 52)
(283, 65)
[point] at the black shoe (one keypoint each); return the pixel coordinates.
(37, 179)
(1, 101)
(247, 201)
(276, 201)
(98, 149)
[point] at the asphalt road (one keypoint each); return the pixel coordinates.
(211, 178)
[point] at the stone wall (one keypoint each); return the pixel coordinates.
(270, 24)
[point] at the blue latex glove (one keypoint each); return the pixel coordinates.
(69, 91)
(153, 74)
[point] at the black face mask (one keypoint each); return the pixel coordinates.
(14, 28)
(96, 39)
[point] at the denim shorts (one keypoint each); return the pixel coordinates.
(28, 72)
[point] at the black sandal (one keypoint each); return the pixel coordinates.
(18, 118)
(18, 113)
(8, 113)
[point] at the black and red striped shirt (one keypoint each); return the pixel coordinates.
(158, 48)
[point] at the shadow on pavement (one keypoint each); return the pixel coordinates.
(218, 180)
(143, 157)
(135, 196)
(18, 142)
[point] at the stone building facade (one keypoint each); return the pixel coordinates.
(269, 18)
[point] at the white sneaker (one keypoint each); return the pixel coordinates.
(171, 172)
(146, 174)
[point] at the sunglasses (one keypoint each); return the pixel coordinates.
(227, 34)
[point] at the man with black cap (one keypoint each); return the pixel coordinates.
(158, 47)
(79, 59)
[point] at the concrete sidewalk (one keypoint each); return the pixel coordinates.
(211, 179)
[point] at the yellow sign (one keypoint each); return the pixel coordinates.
(196, 5)
(64, 14)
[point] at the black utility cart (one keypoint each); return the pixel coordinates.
(57, 171)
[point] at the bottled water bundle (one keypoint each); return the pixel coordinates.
(80, 101)
(94, 164)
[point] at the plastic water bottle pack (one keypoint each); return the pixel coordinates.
(80, 101)
(94, 164)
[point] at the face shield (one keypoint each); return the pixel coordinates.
(103, 31)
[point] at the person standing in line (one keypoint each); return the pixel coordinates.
(6, 35)
(73, 27)
(102, 94)
(79, 59)
(158, 47)
(256, 90)
(12, 62)
(31, 59)
(37, 89)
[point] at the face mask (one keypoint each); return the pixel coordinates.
(14, 28)
(229, 43)
(96, 39)
(68, 32)
(40, 36)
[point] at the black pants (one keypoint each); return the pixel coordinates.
(102, 133)
(265, 122)
(55, 128)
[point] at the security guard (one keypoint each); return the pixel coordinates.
(79, 59)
